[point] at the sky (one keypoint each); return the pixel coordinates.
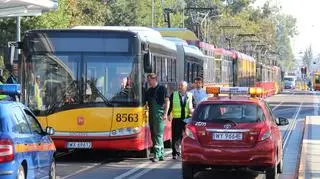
(307, 13)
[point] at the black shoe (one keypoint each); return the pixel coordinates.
(174, 157)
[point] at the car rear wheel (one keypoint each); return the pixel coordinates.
(52, 172)
(21, 173)
(188, 171)
(271, 173)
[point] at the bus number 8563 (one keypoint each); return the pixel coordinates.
(127, 117)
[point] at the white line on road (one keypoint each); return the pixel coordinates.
(126, 174)
(151, 167)
(315, 106)
(79, 171)
(291, 127)
(274, 108)
(171, 163)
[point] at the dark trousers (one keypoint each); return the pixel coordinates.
(177, 132)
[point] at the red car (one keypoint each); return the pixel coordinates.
(233, 132)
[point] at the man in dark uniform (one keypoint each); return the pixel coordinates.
(158, 103)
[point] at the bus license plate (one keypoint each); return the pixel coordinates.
(79, 145)
(227, 136)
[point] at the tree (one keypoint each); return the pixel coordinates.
(285, 29)
(70, 13)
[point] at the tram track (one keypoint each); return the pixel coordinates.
(291, 126)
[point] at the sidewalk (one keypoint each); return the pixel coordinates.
(310, 154)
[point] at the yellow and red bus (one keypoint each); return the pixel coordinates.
(316, 81)
(92, 82)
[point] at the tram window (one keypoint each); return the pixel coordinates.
(173, 69)
(169, 69)
(192, 72)
(154, 65)
(186, 72)
(166, 76)
(162, 69)
(158, 67)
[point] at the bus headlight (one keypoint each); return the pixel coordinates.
(126, 131)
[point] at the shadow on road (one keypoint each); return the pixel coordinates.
(242, 174)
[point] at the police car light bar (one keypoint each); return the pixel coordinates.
(234, 90)
(10, 89)
(254, 91)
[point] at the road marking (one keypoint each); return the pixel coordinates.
(126, 174)
(316, 105)
(80, 171)
(145, 171)
(171, 163)
(274, 108)
(291, 127)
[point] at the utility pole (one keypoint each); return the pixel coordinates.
(166, 13)
(229, 38)
(210, 11)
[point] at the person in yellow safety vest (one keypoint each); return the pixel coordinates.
(2, 97)
(37, 94)
(181, 106)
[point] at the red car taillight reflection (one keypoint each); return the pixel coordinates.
(191, 131)
(6, 150)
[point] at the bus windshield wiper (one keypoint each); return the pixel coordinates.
(70, 87)
(105, 100)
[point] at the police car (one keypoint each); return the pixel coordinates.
(234, 131)
(26, 151)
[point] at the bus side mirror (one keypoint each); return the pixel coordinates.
(10, 56)
(147, 63)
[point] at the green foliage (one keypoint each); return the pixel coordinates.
(71, 13)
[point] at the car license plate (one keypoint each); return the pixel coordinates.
(79, 145)
(227, 136)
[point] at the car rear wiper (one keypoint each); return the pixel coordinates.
(229, 120)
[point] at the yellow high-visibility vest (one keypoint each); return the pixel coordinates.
(2, 96)
(176, 106)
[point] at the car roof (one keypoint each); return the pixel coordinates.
(4, 104)
(232, 99)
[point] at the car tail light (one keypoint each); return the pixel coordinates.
(6, 150)
(191, 131)
(265, 133)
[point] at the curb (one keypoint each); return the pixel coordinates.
(300, 172)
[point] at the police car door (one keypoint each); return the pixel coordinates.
(44, 150)
(27, 143)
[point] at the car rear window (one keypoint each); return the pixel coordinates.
(240, 113)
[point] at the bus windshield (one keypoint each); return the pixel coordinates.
(317, 79)
(58, 80)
